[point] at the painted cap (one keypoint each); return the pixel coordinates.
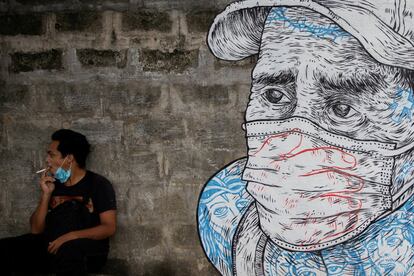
(385, 28)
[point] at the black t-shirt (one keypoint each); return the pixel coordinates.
(94, 190)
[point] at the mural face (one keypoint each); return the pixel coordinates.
(223, 201)
(328, 175)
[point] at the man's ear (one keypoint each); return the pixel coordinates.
(71, 158)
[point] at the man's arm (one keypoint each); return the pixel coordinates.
(37, 219)
(104, 230)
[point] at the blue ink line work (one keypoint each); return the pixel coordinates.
(403, 105)
(331, 31)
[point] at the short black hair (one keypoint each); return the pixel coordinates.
(72, 142)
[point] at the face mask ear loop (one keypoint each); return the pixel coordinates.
(70, 175)
(396, 152)
(63, 161)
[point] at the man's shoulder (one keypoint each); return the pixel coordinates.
(98, 179)
(222, 204)
(103, 194)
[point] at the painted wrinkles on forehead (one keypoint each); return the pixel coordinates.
(283, 44)
(317, 72)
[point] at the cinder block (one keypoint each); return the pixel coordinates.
(161, 129)
(63, 98)
(25, 62)
(78, 21)
(221, 132)
(185, 5)
(185, 236)
(176, 61)
(144, 204)
(179, 200)
(126, 100)
(204, 96)
(146, 20)
(200, 21)
(43, 2)
(147, 236)
(113, 267)
(14, 97)
(103, 1)
(82, 100)
(21, 24)
(166, 267)
(102, 58)
(27, 134)
(99, 130)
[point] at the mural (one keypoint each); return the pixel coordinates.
(326, 187)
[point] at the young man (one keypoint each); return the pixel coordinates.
(75, 216)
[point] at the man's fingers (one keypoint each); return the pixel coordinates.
(291, 144)
(324, 203)
(49, 179)
(317, 159)
(306, 162)
(52, 248)
(324, 181)
(280, 144)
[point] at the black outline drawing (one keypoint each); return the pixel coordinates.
(327, 186)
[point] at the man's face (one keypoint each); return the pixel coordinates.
(224, 209)
(332, 82)
(54, 158)
(390, 252)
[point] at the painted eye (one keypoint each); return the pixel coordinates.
(334, 268)
(221, 212)
(393, 241)
(372, 246)
(242, 203)
(274, 96)
(343, 110)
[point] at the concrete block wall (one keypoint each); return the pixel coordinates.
(137, 78)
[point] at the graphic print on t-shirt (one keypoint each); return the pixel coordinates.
(57, 200)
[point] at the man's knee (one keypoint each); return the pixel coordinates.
(22, 253)
(70, 259)
(80, 254)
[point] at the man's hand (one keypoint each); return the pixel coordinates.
(104, 230)
(37, 220)
(47, 183)
(56, 244)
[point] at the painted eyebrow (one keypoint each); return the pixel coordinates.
(370, 83)
(284, 78)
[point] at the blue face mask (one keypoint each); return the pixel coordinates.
(61, 174)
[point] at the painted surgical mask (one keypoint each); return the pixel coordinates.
(316, 189)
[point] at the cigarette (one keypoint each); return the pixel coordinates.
(42, 170)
